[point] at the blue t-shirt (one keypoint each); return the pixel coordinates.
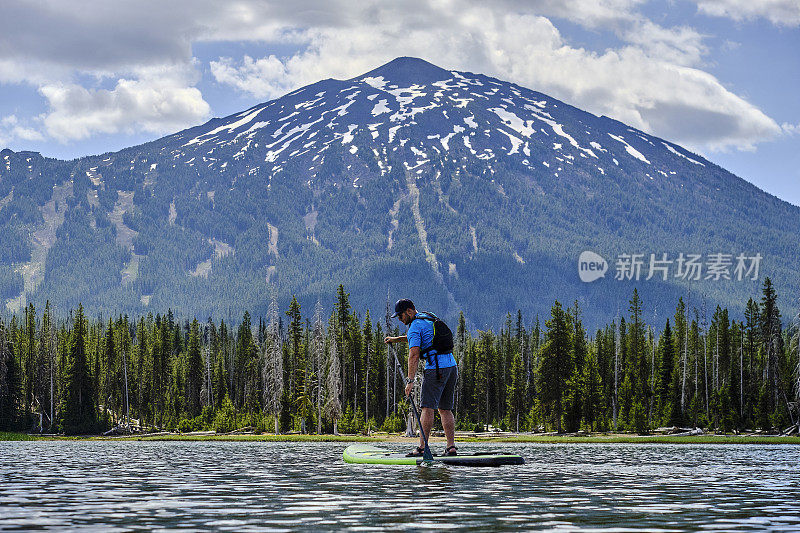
(420, 333)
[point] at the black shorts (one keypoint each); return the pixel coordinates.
(440, 393)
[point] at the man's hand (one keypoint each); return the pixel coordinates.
(391, 340)
(409, 388)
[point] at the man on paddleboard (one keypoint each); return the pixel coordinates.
(441, 371)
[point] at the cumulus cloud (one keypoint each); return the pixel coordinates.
(11, 129)
(680, 46)
(655, 86)
(263, 78)
(652, 78)
(612, 15)
(778, 12)
(93, 35)
(152, 103)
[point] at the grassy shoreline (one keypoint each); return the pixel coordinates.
(472, 438)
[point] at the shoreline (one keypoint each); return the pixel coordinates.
(604, 438)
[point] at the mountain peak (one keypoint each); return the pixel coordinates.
(362, 181)
(409, 70)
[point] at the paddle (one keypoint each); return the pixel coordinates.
(427, 456)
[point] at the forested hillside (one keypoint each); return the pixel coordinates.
(463, 192)
(321, 370)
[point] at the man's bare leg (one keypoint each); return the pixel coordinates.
(426, 417)
(449, 425)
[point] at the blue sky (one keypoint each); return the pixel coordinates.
(717, 76)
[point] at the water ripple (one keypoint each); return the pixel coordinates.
(238, 486)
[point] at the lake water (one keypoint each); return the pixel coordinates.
(248, 486)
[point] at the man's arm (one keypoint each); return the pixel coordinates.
(390, 340)
(413, 361)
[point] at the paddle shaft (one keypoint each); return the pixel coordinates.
(426, 454)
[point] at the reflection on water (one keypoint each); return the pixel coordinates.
(294, 486)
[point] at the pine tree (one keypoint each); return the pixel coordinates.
(485, 357)
(9, 382)
(623, 377)
(78, 415)
(666, 393)
(533, 359)
(247, 363)
(110, 390)
(592, 392)
(391, 371)
(194, 372)
(695, 401)
(575, 385)
(794, 348)
(344, 344)
(556, 363)
(297, 357)
(318, 358)
(144, 374)
(731, 410)
(48, 361)
(220, 378)
(27, 348)
(93, 357)
(124, 343)
(516, 390)
(750, 341)
(605, 355)
(369, 374)
(772, 342)
(637, 366)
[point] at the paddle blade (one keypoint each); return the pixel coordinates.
(427, 456)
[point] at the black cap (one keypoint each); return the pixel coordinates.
(402, 305)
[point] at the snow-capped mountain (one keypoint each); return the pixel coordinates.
(456, 189)
(413, 105)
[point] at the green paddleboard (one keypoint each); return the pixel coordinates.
(369, 454)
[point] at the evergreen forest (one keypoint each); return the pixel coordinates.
(329, 371)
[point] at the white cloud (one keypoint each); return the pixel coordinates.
(612, 15)
(652, 86)
(681, 45)
(652, 78)
(152, 104)
(263, 78)
(779, 12)
(11, 130)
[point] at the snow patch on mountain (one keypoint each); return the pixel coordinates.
(380, 107)
(630, 149)
(513, 121)
(246, 118)
(674, 151)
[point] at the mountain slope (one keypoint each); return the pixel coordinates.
(456, 189)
